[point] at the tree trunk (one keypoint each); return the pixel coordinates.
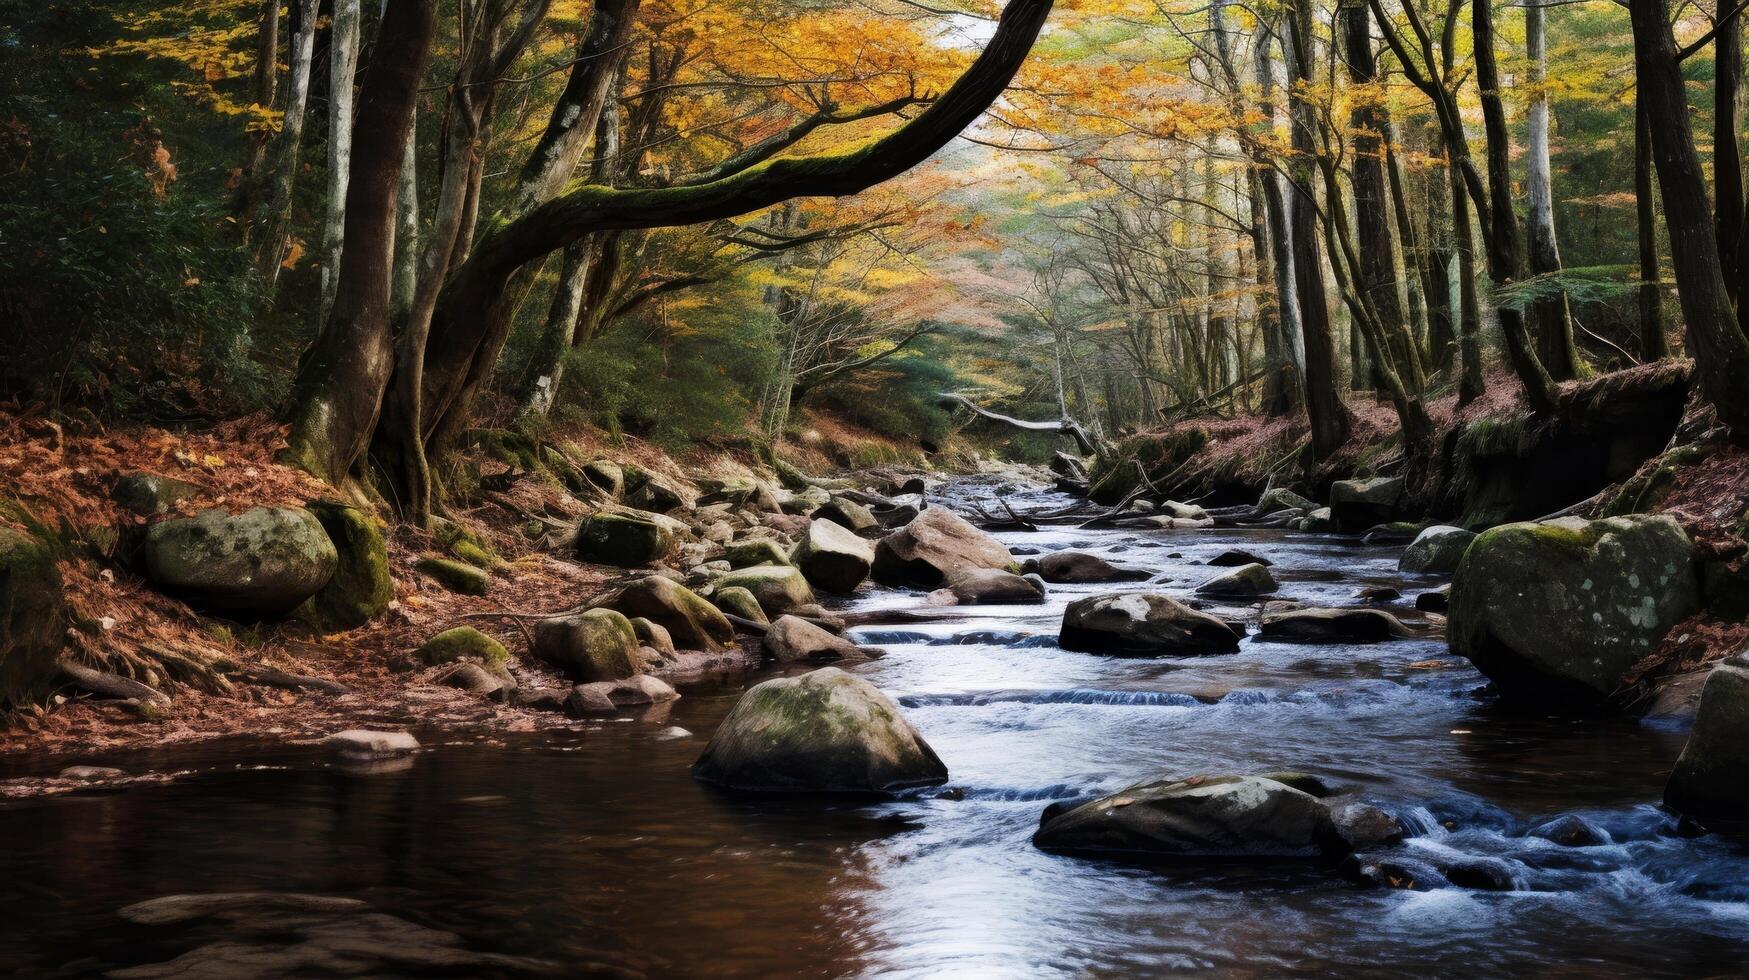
(1441, 249)
(1653, 345)
(340, 385)
(343, 37)
(264, 86)
(1471, 384)
(1715, 339)
(407, 228)
(1553, 319)
(283, 163)
(1292, 381)
(1727, 159)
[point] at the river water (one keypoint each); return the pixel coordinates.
(594, 851)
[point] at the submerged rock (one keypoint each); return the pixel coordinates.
(265, 561)
(691, 622)
(822, 732)
(1563, 609)
(1243, 582)
(1353, 625)
(607, 697)
(1570, 830)
(1436, 549)
(932, 547)
(1202, 817)
(1236, 558)
(832, 558)
(597, 645)
(1711, 779)
(1144, 623)
(1077, 566)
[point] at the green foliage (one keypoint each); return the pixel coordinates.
(899, 397)
(1591, 284)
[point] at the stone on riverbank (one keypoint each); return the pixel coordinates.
(822, 732)
(607, 697)
(1711, 779)
(1562, 610)
(1143, 623)
(461, 643)
(1243, 582)
(265, 561)
(933, 546)
(737, 601)
(832, 558)
(597, 645)
(1199, 817)
(1348, 625)
(363, 745)
(691, 622)
(628, 538)
(361, 588)
(993, 586)
(777, 588)
(1436, 550)
(791, 639)
(847, 513)
(1360, 504)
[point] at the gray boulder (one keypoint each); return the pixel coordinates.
(1711, 780)
(149, 494)
(847, 513)
(777, 588)
(1352, 625)
(822, 732)
(1281, 498)
(1243, 582)
(264, 561)
(1077, 567)
(1436, 550)
(755, 551)
(791, 639)
(1143, 623)
(628, 538)
(1199, 817)
(1359, 504)
(933, 546)
(691, 622)
(607, 697)
(993, 586)
(832, 558)
(737, 601)
(1562, 610)
(597, 645)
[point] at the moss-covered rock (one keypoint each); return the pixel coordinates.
(465, 544)
(755, 551)
(738, 601)
(1436, 550)
(1562, 610)
(462, 643)
(149, 494)
(264, 561)
(822, 732)
(606, 476)
(691, 622)
(597, 645)
(454, 575)
(628, 538)
(831, 557)
(778, 588)
(846, 513)
(33, 616)
(361, 588)
(653, 635)
(1711, 779)
(1243, 582)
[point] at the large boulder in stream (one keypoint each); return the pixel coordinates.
(1243, 582)
(822, 732)
(791, 639)
(1143, 624)
(33, 616)
(265, 561)
(691, 622)
(831, 558)
(1561, 610)
(1198, 817)
(628, 538)
(1711, 780)
(777, 588)
(1359, 504)
(1078, 566)
(597, 645)
(1436, 550)
(1349, 625)
(847, 513)
(932, 547)
(994, 587)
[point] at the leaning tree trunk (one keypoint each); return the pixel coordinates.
(343, 37)
(283, 157)
(339, 388)
(1553, 318)
(1653, 345)
(1727, 159)
(1715, 339)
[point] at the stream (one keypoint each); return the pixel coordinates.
(594, 851)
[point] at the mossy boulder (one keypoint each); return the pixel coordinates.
(628, 538)
(933, 546)
(792, 639)
(1143, 624)
(777, 588)
(265, 561)
(822, 732)
(606, 475)
(691, 622)
(832, 558)
(657, 495)
(149, 494)
(653, 635)
(1711, 780)
(33, 616)
(1243, 582)
(1561, 610)
(456, 576)
(597, 645)
(361, 588)
(465, 544)
(462, 643)
(738, 601)
(1198, 817)
(755, 551)
(1281, 498)
(846, 513)
(1436, 550)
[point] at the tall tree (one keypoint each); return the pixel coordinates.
(1554, 321)
(343, 41)
(282, 166)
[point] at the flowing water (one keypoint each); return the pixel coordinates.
(595, 851)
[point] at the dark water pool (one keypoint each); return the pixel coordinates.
(594, 851)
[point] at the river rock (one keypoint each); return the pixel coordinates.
(597, 645)
(832, 558)
(1563, 609)
(1243, 582)
(933, 546)
(737, 601)
(1281, 498)
(822, 732)
(690, 622)
(1365, 826)
(149, 494)
(1320, 521)
(607, 697)
(462, 643)
(361, 588)
(993, 586)
(755, 551)
(1078, 567)
(1711, 780)
(792, 639)
(846, 513)
(1199, 817)
(264, 561)
(653, 636)
(628, 538)
(33, 617)
(1572, 830)
(1437, 601)
(475, 679)
(1359, 504)
(363, 745)
(1238, 558)
(1143, 623)
(778, 588)
(1349, 625)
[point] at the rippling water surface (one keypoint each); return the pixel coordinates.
(596, 851)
